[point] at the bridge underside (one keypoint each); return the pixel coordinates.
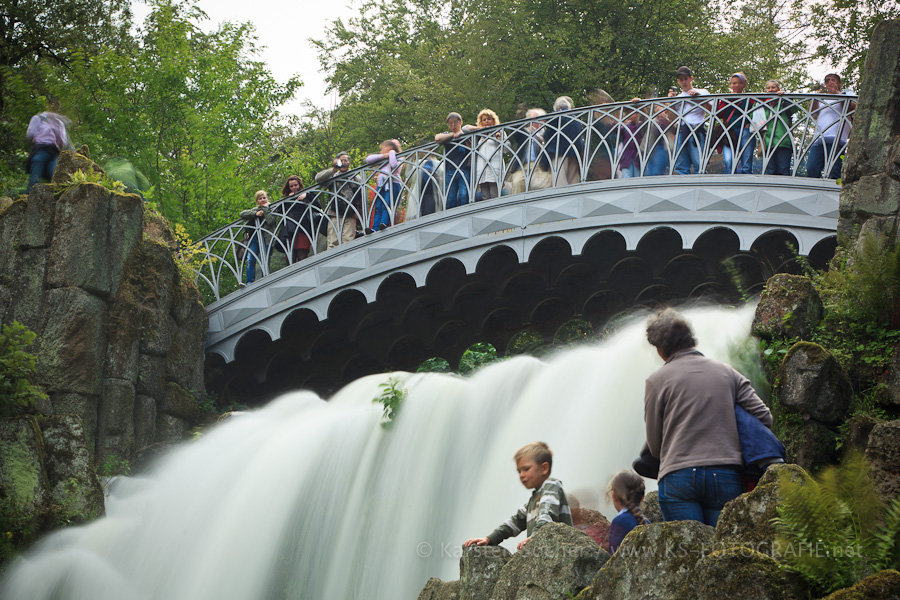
(408, 323)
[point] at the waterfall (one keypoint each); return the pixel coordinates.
(312, 499)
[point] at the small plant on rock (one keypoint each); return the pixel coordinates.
(392, 396)
(17, 370)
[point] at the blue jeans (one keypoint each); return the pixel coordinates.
(456, 182)
(43, 163)
(780, 162)
(745, 163)
(632, 170)
(698, 493)
(816, 163)
(385, 200)
(687, 147)
(253, 250)
(658, 163)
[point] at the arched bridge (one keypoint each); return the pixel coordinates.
(434, 284)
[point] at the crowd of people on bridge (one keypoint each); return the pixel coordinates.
(648, 139)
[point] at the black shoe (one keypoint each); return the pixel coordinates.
(382, 227)
(368, 231)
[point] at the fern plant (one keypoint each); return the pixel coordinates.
(835, 530)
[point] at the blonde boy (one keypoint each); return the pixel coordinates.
(548, 503)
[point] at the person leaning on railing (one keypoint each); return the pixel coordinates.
(657, 140)
(564, 145)
(631, 134)
(530, 169)
(345, 202)
(737, 140)
(488, 155)
(775, 129)
(299, 223)
(691, 135)
(261, 223)
(456, 161)
(833, 118)
(388, 186)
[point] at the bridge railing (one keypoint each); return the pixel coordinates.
(795, 135)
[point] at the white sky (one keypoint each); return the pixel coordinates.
(283, 29)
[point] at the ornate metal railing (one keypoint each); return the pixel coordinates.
(796, 135)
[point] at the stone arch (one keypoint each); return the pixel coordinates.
(573, 330)
(629, 276)
(250, 344)
(550, 313)
(604, 250)
(658, 245)
(776, 250)
(396, 290)
(444, 278)
(499, 259)
(683, 273)
(822, 253)
(299, 323)
(404, 353)
(601, 306)
(372, 331)
(715, 245)
(549, 257)
(327, 341)
(347, 307)
(653, 295)
(524, 342)
(360, 365)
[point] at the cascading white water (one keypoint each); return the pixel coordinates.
(312, 499)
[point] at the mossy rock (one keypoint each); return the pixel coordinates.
(789, 307)
(654, 562)
(479, 570)
(435, 589)
(884, 585)
(70, 161)
(743, 573)
(746, 521)
(813, 384)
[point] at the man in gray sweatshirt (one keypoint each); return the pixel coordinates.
(691, 427)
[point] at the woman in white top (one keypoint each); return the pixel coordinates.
(832, 129)
(488, 154)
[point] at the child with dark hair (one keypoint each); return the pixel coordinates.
(626, 491)
(388, 186)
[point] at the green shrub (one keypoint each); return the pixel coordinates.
(835, 530)
(392, 397)
(17, 370)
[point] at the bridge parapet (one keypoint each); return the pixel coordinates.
(538, 161)
(804, 211)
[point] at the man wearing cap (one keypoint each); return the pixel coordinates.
(737, 141)
(345, 204)
(456, 162)
(692, 114)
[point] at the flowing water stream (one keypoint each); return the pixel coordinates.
(312, 499)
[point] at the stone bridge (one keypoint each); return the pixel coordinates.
(487, 271)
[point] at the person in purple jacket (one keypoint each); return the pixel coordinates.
(47, 134)
(690, 423)
(388, 186)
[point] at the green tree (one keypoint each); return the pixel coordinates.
(192, 111)
(840, 30)
(39, 36)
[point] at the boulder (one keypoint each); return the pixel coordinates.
(592, 523)
(70, 161)
(37, 224)
(650, 507)
(857, 429)
(557, 561)
(789, 307)
(654, 562)
(746, 521)
(27, 287)
(889, 394)
(884, 585)
(741, 573)
(171, 429)
(74, 485)
(883, 452)
(813, 384)
(71, 342)
(809, 444)
(479, 570)
(435, 589)
(178, 403)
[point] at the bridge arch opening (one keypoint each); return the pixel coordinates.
(685, 272)
(550, 314)
(524, 342)
(300, 323)
(347, 307)
(822, 253)
(630, 275)
(604, 250)
(497, 262)
(445, 278)
(777, 252)
(600, 307)
(715, 245)
(405, 353)
(653, 296)
(251, 345)
(396, 290)
(549, 257)
(573, 330)
(658, 245)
